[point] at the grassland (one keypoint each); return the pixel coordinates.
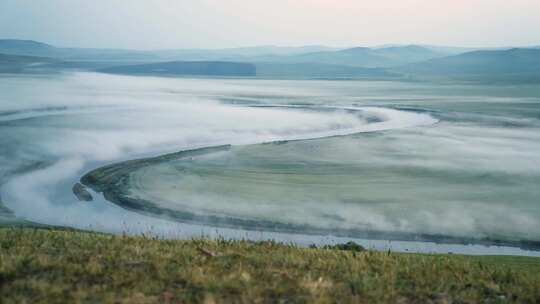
(52, 266)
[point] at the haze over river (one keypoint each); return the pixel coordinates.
(355, 159)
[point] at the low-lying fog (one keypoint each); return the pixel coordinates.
(436, 159)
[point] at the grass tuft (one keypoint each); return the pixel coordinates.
(51, 266)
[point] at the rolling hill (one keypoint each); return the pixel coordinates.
(21, 64)
(25, 47)
(496, 65)
(360, 57)
(386, 62)
(357, 57)
(34, 48)
(320, 71)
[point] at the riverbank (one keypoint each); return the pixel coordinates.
(48, 266)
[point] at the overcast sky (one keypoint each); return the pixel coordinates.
(151, 24)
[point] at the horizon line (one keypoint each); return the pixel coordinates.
(385, 45)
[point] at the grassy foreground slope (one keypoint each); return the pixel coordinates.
(48, 266)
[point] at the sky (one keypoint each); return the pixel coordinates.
(165, 24)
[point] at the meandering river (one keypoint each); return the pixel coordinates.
(303, 161)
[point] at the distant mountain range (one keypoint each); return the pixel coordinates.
(360, 56)
(497, 65)
(34, 48)
(385, 62)
(237, 53)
